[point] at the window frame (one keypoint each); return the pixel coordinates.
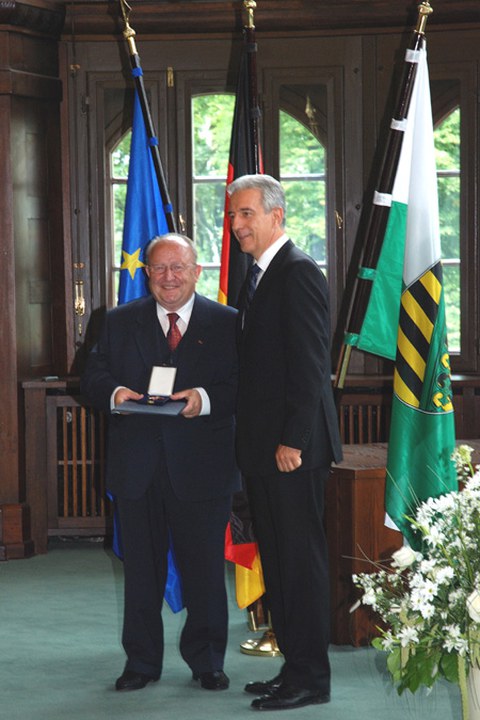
(442, 104)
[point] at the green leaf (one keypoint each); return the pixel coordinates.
(449, 667)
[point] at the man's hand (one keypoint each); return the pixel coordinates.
(123, 394)
(194, 402)
(288, 458)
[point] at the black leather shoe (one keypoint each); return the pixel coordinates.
(216, 680)
(265, 687)
(131, 680)
(288, 697)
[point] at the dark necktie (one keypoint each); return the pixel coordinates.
(251, 284)
(173, 335)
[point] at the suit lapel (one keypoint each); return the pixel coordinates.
(197, 334)
(267, 281)
(151, 342)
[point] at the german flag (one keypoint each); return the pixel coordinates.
(244, 159)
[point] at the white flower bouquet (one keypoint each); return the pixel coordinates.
(429, 601)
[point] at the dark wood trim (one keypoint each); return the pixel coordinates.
(15, 541)
(193, 18)
(66, 363)
(45, 17)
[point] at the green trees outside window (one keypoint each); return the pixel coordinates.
(447, 156)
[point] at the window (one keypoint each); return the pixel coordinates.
(212, 117)
(302, 173)
(119, 161)
(447, 152)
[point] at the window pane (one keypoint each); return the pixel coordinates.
(306, 216)
(120, 157)
(300, 151)
(449, 203)
(209, 202)
(212, 116)
(302, 172)
(208, 281)
(119, 195)
(212, 127)
(451, 283)
(119, 162)
(447, 157)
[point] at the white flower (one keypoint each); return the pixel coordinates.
(427, 610)
(431, 601)
(473, 605)
(443, 575)
(408, 636)
(370, 598)
(404, 557)
(453, 639)
(388, 641)
(434, 536)
(423, 587)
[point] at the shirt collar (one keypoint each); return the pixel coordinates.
(266, 258)
(183, 313)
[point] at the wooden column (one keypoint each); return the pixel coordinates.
(31, 242)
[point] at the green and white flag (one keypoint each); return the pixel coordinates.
(405, 320)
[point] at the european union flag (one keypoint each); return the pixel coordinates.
(144, 213)
(144, 220)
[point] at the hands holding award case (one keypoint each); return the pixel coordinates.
(157, 401)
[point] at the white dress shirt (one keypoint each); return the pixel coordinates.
(266, 258)
(184, 314)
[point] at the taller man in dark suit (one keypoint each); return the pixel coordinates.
(287, 436)
(171, 475)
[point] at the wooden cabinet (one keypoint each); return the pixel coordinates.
(356, 533)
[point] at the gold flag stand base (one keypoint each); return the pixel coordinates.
(266, 646)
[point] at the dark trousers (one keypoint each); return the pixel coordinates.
(288, 519)
(198, 533)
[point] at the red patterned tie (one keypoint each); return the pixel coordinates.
(173, 335)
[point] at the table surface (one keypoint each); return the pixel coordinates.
(374, 455)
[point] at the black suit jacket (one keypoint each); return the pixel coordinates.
(200, 451)
(285, 391)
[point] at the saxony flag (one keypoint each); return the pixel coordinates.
(405, 319)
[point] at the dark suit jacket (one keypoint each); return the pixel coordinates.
(200, 451)
(285, 392)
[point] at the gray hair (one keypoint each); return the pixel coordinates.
(273, 194)
(172, 238)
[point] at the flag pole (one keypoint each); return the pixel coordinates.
(251, 48)
(379, 212)
(137, 72)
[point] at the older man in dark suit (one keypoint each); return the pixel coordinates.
(287, 436)
(172, 476)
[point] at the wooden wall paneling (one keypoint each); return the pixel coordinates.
(92, 17)
(28, 88)
(66, 304)
(35, 462)
(8, 348)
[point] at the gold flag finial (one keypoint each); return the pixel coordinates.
(250, 6)
(129, 32)
(424, 10)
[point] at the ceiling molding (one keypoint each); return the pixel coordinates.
(199, 17)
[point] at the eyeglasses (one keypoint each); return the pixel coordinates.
(175, 269)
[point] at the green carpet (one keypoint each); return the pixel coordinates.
(60, 648)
